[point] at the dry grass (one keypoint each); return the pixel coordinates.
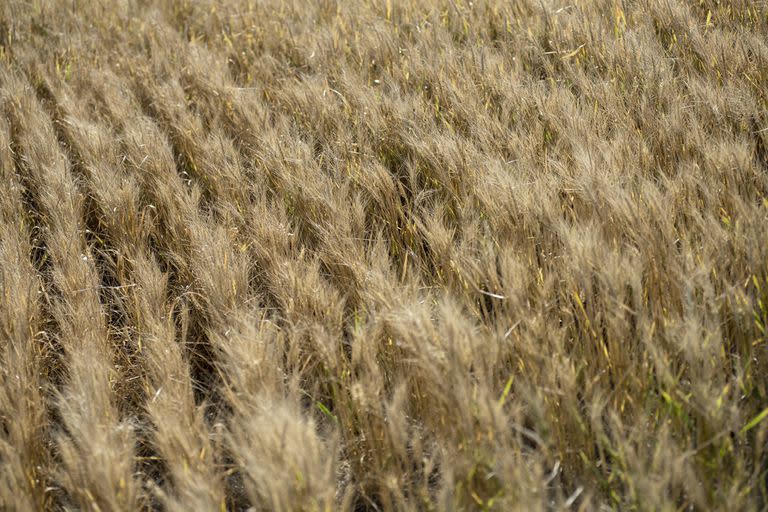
(384, 255)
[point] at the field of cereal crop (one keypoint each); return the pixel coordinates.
(383, 255)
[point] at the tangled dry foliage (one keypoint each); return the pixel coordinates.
(384, 255)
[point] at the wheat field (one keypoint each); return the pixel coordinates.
(383, 255)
